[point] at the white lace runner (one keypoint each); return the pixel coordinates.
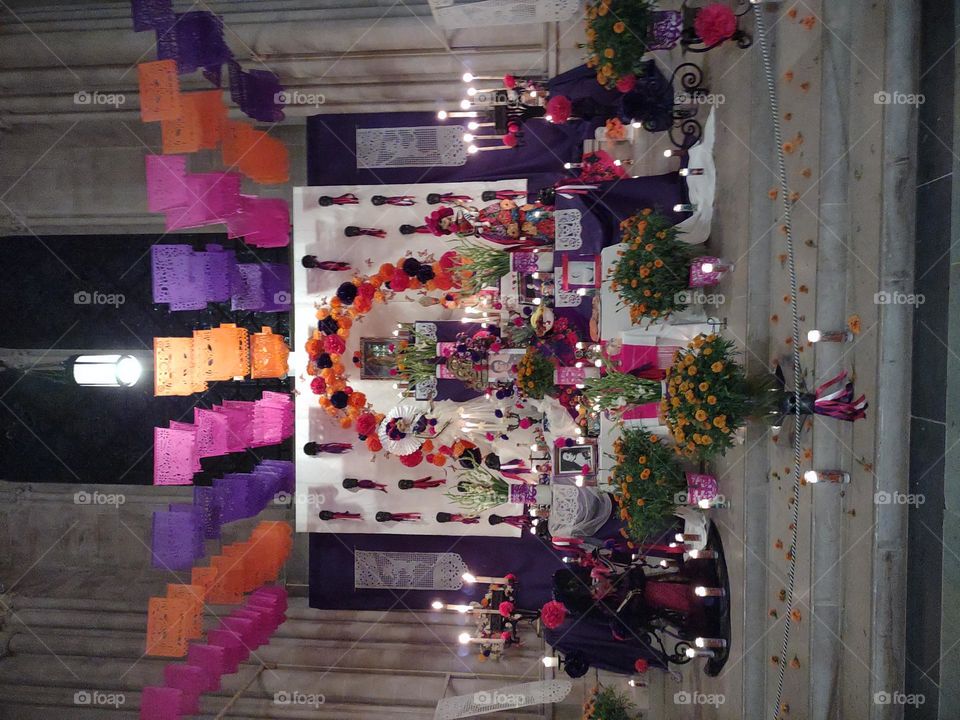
(567, 223)
(411, 146)
(578, 512)
(464, 13)
(509, 697)
(408, 570)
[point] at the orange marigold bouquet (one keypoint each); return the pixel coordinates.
(708, 397)
(649, 479)
(617, 32)
(652, 274)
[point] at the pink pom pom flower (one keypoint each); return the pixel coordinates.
(506, 608)
(553, 614)
(559, 108)
(715, 23)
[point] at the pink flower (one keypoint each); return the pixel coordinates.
(400, 281)
(641, 665)
(509, 82)
(559, 108)
(318, 385)
(510, 576)
(525, 423)
(506, 635)
(448, 260)
(506, 608)
(496, 346)
(560, 442)
(585, 469)
(489, 437)
(626, 83)
(715, 23)
(334, 344)
(366, 290)
(412, 459)
(510, 140)
(553, 614)
(366, 424)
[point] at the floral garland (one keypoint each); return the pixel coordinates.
(355, 299)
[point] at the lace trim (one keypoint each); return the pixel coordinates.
(408, 570)
(411, 147)
(568, 229)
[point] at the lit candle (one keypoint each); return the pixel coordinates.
(699, 652)
(684, 172)
(465, 639)
(702, 554)
(826, 476)
(550, 662)
(571, 166)
(464, 104)
(470, 579)
(837, 336)
(686, 537)
(710, 266)
(702, 642)
(701, 591)
(684, 207)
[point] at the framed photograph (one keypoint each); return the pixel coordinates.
(580, 271)
(575, 460)
(377, 359)
(530, 287)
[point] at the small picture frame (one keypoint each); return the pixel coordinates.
(570, 461)
(580, 271)
(534, 285)
(378, 356)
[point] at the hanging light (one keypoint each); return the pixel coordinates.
(106, 370)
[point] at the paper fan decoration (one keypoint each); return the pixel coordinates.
(396, 430)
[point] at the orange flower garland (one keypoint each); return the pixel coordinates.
(341, 401)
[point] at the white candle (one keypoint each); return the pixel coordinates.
(701, 591)
(694, 652)
(701, 642)
(470, 579)
(828, 476)
(837, 336)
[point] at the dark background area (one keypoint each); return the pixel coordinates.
(55, 431)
